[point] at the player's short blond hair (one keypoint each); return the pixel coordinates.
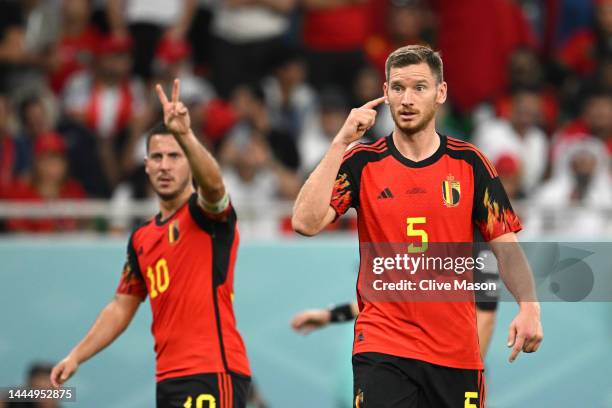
(415, 54)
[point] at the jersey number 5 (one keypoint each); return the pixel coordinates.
(160, 280)
(411, 231)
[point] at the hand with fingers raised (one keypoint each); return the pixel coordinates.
(176, 115)
(359, 121)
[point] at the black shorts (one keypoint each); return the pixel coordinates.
(218, 390)
(385, 381)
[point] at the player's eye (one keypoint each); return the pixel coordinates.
(396, 88)
(420, 88)
(156, 156)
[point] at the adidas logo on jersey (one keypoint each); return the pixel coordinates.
(386, 193)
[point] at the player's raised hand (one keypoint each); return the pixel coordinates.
(525, 333)
(176, 115)
(63, 371)
(359, 121)
(310, 320)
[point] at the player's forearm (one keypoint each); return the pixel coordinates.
(204, 167)
(312, 203)
(111, 322)
(515, 271)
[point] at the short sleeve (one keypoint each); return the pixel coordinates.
(492, 213)
(344, 194)
(132, 282)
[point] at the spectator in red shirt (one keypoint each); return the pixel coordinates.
(50, 181)
(581, 51)
(333, 34)
(107, 101)
(76, 43)
(406, 23)
(526, 72)
(7, 146)
(476, 38)
(595, 120)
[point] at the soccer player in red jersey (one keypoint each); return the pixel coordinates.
(183, 259)
(418, 183)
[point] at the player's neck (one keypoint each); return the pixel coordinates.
(417, 146)
(168, 207)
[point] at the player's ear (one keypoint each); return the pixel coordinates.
(385, 92)
(442, 93)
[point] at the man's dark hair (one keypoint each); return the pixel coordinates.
(158, 129)
(413, 55)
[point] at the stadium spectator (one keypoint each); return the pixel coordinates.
(290, 101)
(35, 120)
(518, 135)
(334, 34)
(580, 184)
(253, 117)
(7, 146)
(406, 23)
(75, 44)
(595, 120)
(525, 71)
(50, 181)
(246, 34)
(508, 166)
(582, 50)
(107, 101)
(315, 141)
(476, 38)
(147, 21)
(13, 54)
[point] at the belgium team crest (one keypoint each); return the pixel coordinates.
(451, 191)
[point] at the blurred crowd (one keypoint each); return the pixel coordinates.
(270, 82)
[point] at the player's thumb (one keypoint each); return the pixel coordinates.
(511, 335)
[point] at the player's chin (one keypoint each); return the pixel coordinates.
(166, 193)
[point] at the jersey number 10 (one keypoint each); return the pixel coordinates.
(160, 280)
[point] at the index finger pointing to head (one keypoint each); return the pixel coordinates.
(161, 94)
(175, 91)
(374, 103)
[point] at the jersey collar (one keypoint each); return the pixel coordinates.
(422, 163)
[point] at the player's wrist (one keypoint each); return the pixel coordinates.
(184, 135)
(340, 313)
(530, 307)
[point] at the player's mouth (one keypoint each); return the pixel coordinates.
(164, 181)
(408, 115)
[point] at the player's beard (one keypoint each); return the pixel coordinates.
(427, 116)
(173, 194)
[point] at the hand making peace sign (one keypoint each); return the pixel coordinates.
(176, 115)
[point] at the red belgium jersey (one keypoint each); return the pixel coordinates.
(186, 266)
(452, 191)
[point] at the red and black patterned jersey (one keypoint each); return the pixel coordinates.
(186, 266)
(446, 195)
